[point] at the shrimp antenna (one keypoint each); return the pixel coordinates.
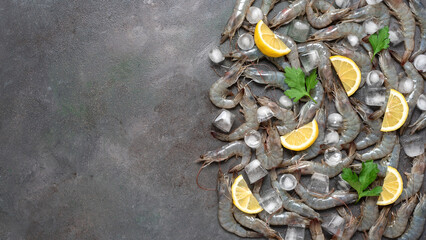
(196, 179)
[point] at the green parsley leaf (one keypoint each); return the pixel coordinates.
(352, 179)
(295, 79)
(373, 192)
(368, 173)
(367, 176)
(380, 40)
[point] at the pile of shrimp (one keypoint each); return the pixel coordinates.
(360, 138)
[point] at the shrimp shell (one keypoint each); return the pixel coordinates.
(378, 11)
(369, 213)
(237, 18)
(399, 221)
(419, 124)
(287, 15)
(378, 228)
(415, 178)
(382, 149)
(326, 18)
(270, 154)
(316, 230)
(250, 221)
(307, 112)
(287, 119)
(417, 223)
(419, 12)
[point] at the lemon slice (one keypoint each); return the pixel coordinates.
(243, 198)
(396, 112)
(268, 43)
(301, 138)
(392, 187)
(348, 72)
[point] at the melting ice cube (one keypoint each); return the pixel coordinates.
(295, 233)
(216, 55)
(370, 27)
(286, 102)
(271, 201)
(264, 113)
(343, 3)
(373, 2)
(413, 145)
(353, 40)
(332, 156)
(319, 183)
(406, 85)
(299, 30)
(331, 138)
(253, 139)
(333, 223)
(245, 41)
(255, 171)
(288, 182)
(335, 120)
(375, 96)
(309, 60)
(420, 63)
(254, 15)
(421, 102)
(375, 78)
(224, 120)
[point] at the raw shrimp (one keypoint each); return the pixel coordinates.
(309, 167)
(369, 213)
(279, 62)
(415, 230)
(248, 103)
(219, 90)
(324, 64)
(287, 119)
(266, 7)
(270, 154)
(236, 148)
(360, 57)
(325, 19)
(378, 228)
(269, 78)
(391, 160)
(225, 209)
(399, 221)
(373, 134)
(415, 178)
(250, 221)
(285, 16)
(237, 18)
(316, 230)
(293, 55)
(382, 148)
(249, 55)
(288, 162)
(378, 11)
(336, 198)
(408, 25)
(419, 12)
(419, 124)
(307, 112)
(315, 148)
(352, 223)
(290, 203)
(351, 122)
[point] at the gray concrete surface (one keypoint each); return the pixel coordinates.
(103, 110)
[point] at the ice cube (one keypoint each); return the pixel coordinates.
(420, 63)
(333, 224)
(286, 102)
(319, 183)
(288, 182)
(264, 113)
(343, 3)
(353, 40)
(271, 201)
(375, 78)
(375, 96)
(373, 2)
(395, 37)
(413, 145)
(254, 15)
(253, 139)
(295, 233)
(224, 120)
(406, 85)
(216, 55)
(309, 60)
(299, 30)
(370, 27)
(421, 102)
(332, 156)
(335, 120)
(342, 184)
(331, 138)
(245, 41)
(255, 171)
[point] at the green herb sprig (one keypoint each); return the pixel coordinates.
(299, 86)
(379, 40)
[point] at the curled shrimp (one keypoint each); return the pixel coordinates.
(382, 148)
(417, 223)
(219, 90)
(250, 221)
(315, 148)
(352, 223)
(293, 55)
(248, 103)
(290, 203)
(373, 134)
(415, 178)
(249, 55)
(271, 153)
(225, 209)
(236, 148)
(266, 7)
(316, 230)
(335, 199)
(419, 11)
(399, 221)
(419, 124)
(237, 17)
(325, 19)
(307, 112)
(269, 78)
(289, 13)
(376, 231)
(369, 213)
(378, 11)
(287, 119)
(408, 25)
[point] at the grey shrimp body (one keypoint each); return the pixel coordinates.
(308, 110)
(391, 160)
(399, 221)
(236, 148)
(279, 62)
(284, 218)
(316, 230)
(269, 78)
(408, 25)
(266, 6)
(373, 134)
(369, 213)
(419, 124)
(250, 221)
(415, 178)
(293, 56)
(315, 148)
(271, 153)
(417, 223)
(225, 210)
(253, 54)
(379, 226)
(289, 13)
(220, 89)
(287, 119)
(337, 198)
(378, 11)
(351, 226)
(248, 103)
(382, 148)
(419, 11)
(321, 21)
(236, 20)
